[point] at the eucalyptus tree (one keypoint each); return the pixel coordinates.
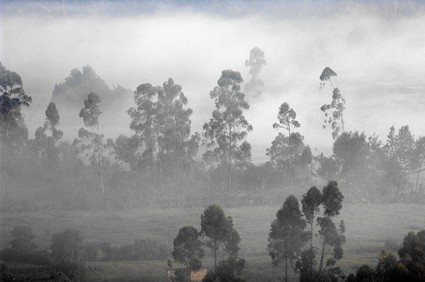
(176, 146)
(398, 153)
(46, 139)
(287, 236)
(162, 134)
(91, 138)
(320, 208)
(223, 238)
(188, 250)
(146, 130)
(255, 62)
(334, 112)
(12, 128)
(417, 163)
(287, 148)
(228, 128)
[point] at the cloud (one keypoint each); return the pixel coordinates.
(378, 54)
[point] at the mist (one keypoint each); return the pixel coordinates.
(104, 176)
(192, 47)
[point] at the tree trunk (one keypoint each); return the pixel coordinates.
(230, 160)
(322, 256)
(286, 269)
(215, 256)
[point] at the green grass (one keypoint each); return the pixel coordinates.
(367, 228)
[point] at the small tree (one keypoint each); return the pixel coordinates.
(222, 238)
(68, 254)
(188, 249)
(23, 240)
(287, 235)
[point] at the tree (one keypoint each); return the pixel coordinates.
(311, 203)
(68, 254)
(146, 129)
(351, 153)
(386, 264)
(92, 138)
(225, 133)
(286, 150)
(163, 144)
(12, 127)
(331, 237)
(255, 62)
(23, 240)
(188, 249)
(417, 162)
(287, 235)
(222, 236)
(398, 153)
(334, 112)
(176, 147)
(330, 234)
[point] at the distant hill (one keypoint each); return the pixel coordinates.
(69, 97)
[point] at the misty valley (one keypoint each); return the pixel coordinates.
(154, 183)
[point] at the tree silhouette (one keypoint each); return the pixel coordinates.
(287, 235)
(225, 133)
(334, 112)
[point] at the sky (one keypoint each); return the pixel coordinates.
(377, 49)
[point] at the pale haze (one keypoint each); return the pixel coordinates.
(379, 56)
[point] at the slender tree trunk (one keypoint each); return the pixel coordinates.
(322, 256)
(215, 256)
(3, 165)
(230, 159)
(286, 269)
(311, 246)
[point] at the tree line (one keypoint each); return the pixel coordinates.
(163, 163)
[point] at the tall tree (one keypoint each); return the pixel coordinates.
(311, 203)
(161, 124)
(331, 235)
(227, 129)
(255, 62)
(177, 148)
(287, 150)
(417, 162)
(334, 112)
(146, 130)
(287, 235)
(91, 137)
(12, 127)
(398, 151)
(188, 249)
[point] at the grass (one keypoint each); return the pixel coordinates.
(368, 226)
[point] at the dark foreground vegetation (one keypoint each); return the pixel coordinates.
(307, 241)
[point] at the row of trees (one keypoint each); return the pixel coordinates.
(163, 163)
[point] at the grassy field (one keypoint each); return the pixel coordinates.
(368, 226)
